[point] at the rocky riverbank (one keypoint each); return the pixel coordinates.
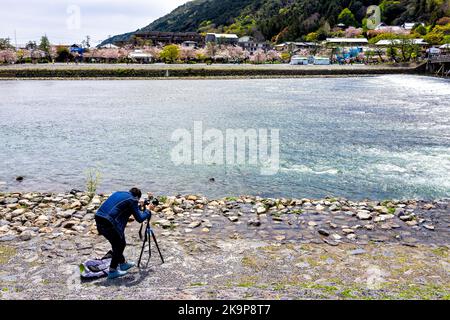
(245, 247)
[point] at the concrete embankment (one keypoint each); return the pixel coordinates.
(87, 71)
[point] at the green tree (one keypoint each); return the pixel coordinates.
(63, 54)
(5, 44)
(312, 37)
(44, 45)
(170, 53)
(348, 18)
(420, 29)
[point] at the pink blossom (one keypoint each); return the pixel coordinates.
(352, 32)
(258, 57)
(187, 53)
(8, 56)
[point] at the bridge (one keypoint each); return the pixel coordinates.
(439, 65)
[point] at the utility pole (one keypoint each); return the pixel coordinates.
(15, 38)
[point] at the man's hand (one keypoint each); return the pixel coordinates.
(150, 207)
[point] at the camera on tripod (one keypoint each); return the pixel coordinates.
(149, 234)
(152, 201)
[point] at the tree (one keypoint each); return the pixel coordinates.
(312, 37)
(63, 54)
(8, 56)
(5, 44)
(347, 17)
(420, 29)
(31, 45)
(170, 53)
(44, 45)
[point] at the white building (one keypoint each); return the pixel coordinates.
(299, 60)
(389, 42)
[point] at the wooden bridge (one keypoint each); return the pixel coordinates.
(439, 65)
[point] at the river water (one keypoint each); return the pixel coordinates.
(369, 137)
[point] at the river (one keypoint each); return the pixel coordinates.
(379, 137)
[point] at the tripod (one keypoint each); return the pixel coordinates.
(148, 232)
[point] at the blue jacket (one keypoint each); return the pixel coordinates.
(119, 207)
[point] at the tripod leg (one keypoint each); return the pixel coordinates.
(142, 252)
(156, 242)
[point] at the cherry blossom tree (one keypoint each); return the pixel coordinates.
(273, 55)
(154, 51)
(258, 57)
(8, 56)
(187, 53)
(352, 32)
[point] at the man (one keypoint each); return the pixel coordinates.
(112, 218)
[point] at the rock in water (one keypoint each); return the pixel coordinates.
(323, 232)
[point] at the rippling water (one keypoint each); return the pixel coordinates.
(376, 137)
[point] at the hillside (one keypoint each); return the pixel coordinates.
(282, 20)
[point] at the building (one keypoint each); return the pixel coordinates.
(190, 44)
(299, 60)
(295, 46)
(251, 45)
(140, 56)
(389, 42)
(347, 42)
(222, 38)
(165, 38)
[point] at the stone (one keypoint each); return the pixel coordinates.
(69, 224)
(254, 222)
(312, 224)
(357, 252)
(26, 235)
(194, 224)
(429, 227)
(192, 198)
(205, 230)
(280, 238)
(277, 218)
(383, 217)
(351, 236)
(233, 218)
(18, 212)
(412, 223)
(428, 206)
(323, 232)
(369, 226)
(320, 207)
(336, 237)
(348, 231)
(364, 215)
(261, 210)
(407, 217)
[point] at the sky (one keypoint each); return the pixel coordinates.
(70, 21)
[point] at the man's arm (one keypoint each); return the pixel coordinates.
(139, 215)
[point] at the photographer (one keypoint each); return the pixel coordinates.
(112, 218)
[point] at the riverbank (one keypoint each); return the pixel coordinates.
(232, 248)
(163, 71)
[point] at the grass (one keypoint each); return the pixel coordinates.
(6, 253)
(198, 284)
(441, 251)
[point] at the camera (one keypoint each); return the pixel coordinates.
(152, 201)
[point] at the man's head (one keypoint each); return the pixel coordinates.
(137, 193)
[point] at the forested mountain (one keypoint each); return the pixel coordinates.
(282, 20)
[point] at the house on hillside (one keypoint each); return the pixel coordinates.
(222, 38)
(390, 42)
(251, 45)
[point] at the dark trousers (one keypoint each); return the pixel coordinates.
(117, 240)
